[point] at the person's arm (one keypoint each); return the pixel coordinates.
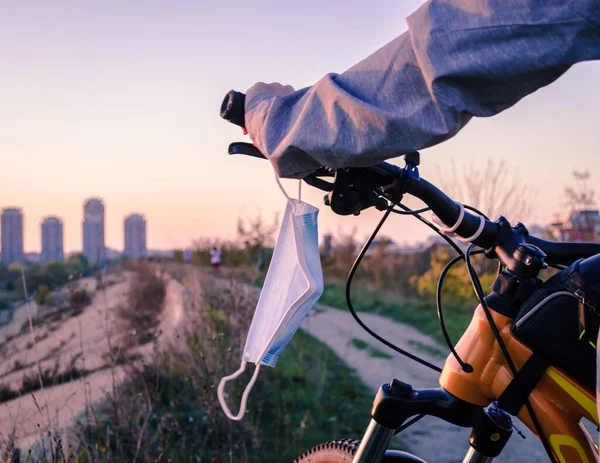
(459, 59)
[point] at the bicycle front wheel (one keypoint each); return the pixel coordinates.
(343, 451)
(335, 451)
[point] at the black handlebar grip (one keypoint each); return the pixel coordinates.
(233, 108)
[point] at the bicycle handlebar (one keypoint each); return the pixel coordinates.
(558, 253)
(233, 108)
(448, 211)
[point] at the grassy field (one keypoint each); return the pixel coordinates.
(373, 352)
(420, 314)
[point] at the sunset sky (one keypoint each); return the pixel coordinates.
(120, 99)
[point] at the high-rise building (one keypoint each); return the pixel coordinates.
(12, 235)
(52, 240)
(93, 230)
(135, 236)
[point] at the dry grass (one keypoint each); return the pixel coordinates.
(46, 370)
(79, 299)
(141, 313)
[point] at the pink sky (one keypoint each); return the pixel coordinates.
(120, 100)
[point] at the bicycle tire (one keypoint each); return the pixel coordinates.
(335, 451)
(343, 451)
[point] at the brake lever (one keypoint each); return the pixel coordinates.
(247, 149)
(314, 181)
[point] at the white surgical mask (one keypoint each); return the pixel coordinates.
(294, 283)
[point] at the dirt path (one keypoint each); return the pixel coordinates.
(82, 340)
(431, 438)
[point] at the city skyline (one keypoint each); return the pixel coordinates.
(570, 227)
(51, 248)
(548, 221)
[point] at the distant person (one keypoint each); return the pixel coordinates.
(215, 260)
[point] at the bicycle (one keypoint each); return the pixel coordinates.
(490, 374)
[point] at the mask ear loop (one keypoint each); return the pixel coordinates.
(290, 200)
(221, 391)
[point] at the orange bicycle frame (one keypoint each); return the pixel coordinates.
(558, 402)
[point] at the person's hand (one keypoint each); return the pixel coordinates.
(262, 88)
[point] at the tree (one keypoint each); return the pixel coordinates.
(581, 196)
(256, 235)
(491, 187)
(198, 257)
(457, 285)
(201, 250)
(178, 256)
(78, 265)
(375, 264)
(43, 295)
(342, 255)
(57, 273)
(15, 267)
(581, 226)
(80, 259)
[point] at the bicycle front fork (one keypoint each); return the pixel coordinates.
(396, 402)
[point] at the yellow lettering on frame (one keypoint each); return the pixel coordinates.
(579, 396)
(559, 440)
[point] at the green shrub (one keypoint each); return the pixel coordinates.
(79, 299)
(178, 256)
(43, 295)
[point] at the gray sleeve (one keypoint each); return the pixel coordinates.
(459, 59)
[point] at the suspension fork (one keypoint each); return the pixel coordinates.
(397, 401)
(374, 443)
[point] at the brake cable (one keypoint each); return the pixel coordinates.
(466, 367)
(415, 213)
(410, 211)
(448, 240)
(409, 423)
(353, 270)
(438, 294)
